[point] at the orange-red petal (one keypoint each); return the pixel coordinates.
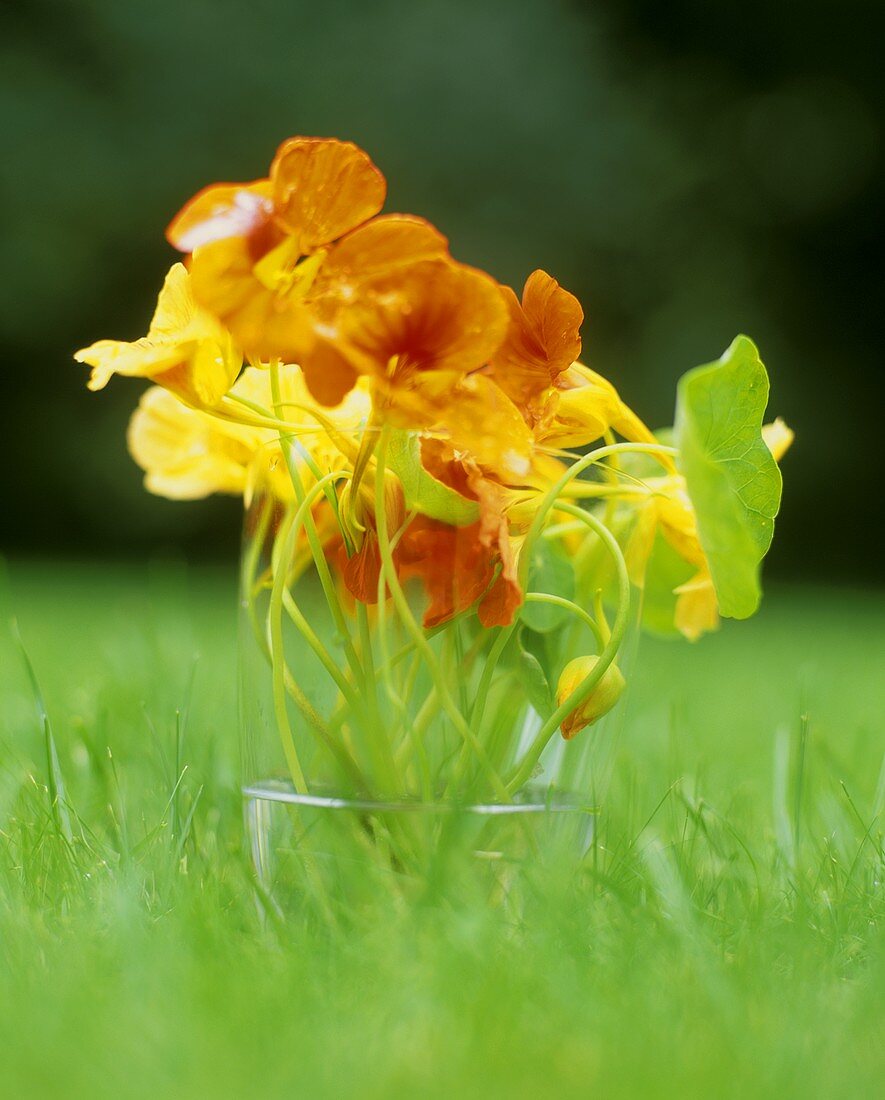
(460, 565)
(502, 601)
(454, 566)
(322, 188)
(362, 570)
(543, 338)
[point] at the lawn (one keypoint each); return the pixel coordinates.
(725, 936)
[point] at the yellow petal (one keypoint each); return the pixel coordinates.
(188, 454)
(588, 406)
(640, 545)
(778, 438)
(697, 610)
(677, 519)
(186, 349)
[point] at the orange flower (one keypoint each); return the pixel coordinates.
(318, 190)
(460, 565)
(457, 565)
(398, 324)
(263, 251)
(543, 340)
(473, 417)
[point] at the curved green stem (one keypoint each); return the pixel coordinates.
(609, 652)
(316, 549)
(322, 730)
(307, 632)
(275, 617)
(568, 605)
(413, 627)
(549, 499)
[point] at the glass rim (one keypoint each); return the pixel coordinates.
(280, 791)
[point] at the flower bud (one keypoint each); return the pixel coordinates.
(600, 701)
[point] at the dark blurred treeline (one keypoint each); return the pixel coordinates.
(690, 170)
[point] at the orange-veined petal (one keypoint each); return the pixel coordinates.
(384, 242)
(476, 417)
(543, 338)
(322, 188)
(429, 315)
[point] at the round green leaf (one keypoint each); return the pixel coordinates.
(731, 477)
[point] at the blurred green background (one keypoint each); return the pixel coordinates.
(690, 170)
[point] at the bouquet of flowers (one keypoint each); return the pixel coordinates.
(452, 520)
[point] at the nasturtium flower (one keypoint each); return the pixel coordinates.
(275, 257)
(473, 397)
(187, 453)
(543, 339)
(318, 190)
(459, 567)
(398, 326)
(186, 349)
(584, 408)
(300, 267)
(600, 701)
(565, 403)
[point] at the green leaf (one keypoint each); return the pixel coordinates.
(423, 493)
(534, 681)
(732, 479)
(550, 571)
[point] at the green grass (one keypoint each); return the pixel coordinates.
(725, 937)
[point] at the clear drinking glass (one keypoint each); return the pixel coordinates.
(418, 754)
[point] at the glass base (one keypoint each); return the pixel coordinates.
(336, 856)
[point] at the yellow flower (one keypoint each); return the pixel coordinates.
(187, 454)
(586, 406)
(186, 350)
(697, 609)
(778, 438)
(601, 700)
(666, 508)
